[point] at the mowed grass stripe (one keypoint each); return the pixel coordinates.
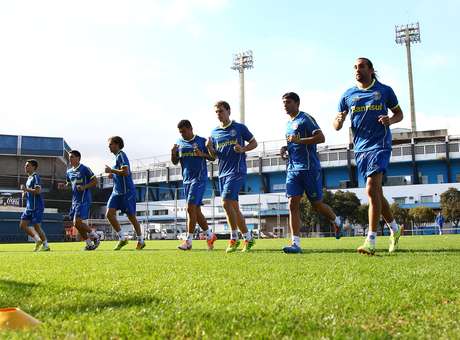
(328, 291)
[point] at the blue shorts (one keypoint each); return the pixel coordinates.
(305, 181)
(372, 162)
(126, 203)
(231, 185)
(194, 192)
(80, 210)
(34, 216)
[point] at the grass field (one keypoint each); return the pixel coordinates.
(329, 291)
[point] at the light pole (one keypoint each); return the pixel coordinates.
(407, 34)
(241, 61)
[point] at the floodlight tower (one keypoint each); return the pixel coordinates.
(407, 34)
(242, 61)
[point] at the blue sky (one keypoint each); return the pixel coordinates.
(90, 69)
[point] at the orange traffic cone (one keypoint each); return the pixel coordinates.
(14, 318)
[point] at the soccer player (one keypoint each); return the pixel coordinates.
(123, 196)
(368, 103)
(35, 206)
(81, 179)
(192, 154)
(227, 143)
(304, 169)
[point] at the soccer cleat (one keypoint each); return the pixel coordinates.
(394, 239)
(366, 248)
(45, 249)
(186, 245)
(337, 224)
(247, 245)
(211, 241)
(121, 244)
(140, 245)
(97, 242)
(89, 247)
(38, 244)
(292, 249)
(232, 246)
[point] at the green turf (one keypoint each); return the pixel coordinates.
(329, 291)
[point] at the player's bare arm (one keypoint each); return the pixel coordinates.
(317, 138)
(242, 149)
(211, 150)
(91, 184)
(124, 171)
(175, 154)
(395, 118)
(339, 119)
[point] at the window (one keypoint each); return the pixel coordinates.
(399, 200)
(323, 157)
(255, 163)
(276, 206)
(397, 180)
(273, 161)
(440, 148)
(160, 212)
(266, 162)
(423, 179)
(343, 156)
(249, 207)
(333, 156)
(407, 151)
(426, 199)
(429, 149)
(440, 178)
(281, 186)
(453, 147)
(396, 151)
(419, 150)
(457, 178)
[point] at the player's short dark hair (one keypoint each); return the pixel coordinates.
(293, 96)
(117, 140)
(75, 153)
(222, 103)
(370, 65)
(33, 162)
(184, 123)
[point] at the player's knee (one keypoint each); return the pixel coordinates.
(227, 205)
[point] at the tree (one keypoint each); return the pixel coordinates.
(422, 215)
(310, 218)
(450, 205)
(400, 215)
(362, 215)
(346, 204)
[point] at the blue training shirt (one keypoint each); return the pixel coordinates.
(302, 156)
(193, 167)
(122, 184)
(81, 175)
(34, 202)
(364, 107)
(224, 138)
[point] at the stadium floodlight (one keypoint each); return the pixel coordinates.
(242, 61)
(408, 34)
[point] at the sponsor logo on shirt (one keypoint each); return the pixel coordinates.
(233, 132)
(363, 108)
(377, 95)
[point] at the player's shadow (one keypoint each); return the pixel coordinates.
(102, 302)
(14, 291)
(427, 251)
(307, 251)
